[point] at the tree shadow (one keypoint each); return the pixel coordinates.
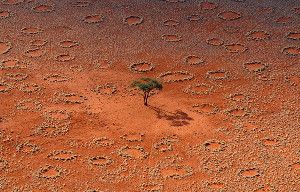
(177, 118)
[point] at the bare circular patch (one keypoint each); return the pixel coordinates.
(205, 5)
(229, 15)
(101, 161)
(215, 41)
(90, 19)
(141, 67)
(171, 38)
(102, 64)
(62, 155)
(255, 66)
(34, 53)
(43, 8)
(199, 89)
(133, 20)
(250, 173)
(64, 57)
(31, 30)
(258, 35)
(54, 77)
(106, 89)
(236, 48)
(49, 172)
(195, 17)
(4, 14)
(176, 76)
(68, 43)
(217, 74)
(5, 47)
(293, 36)
(171, 23)
(136, 152)
(38, 42)
(206, 108)
(291, 51)
(194, 60)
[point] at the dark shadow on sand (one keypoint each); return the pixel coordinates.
(177, 118)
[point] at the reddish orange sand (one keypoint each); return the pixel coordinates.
(226, 120)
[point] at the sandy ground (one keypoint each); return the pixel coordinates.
(226, 120)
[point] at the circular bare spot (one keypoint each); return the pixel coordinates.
(199, 89)
(229, 15)
(68, 43)
(171, 38)
(62, 155)
(64, 57)
(102, 142)
(50, 129)
(176, 171)
(102, 64)
(249, 173)
(57, 116)
(255, 66)
(293, 35)
(4, 14)
(236, 48)
(56, 78)
(268, 142)
(284, 20)
(101, 161)
(194, 60)
(217, 74)
(237, 97)
(141, 67)
(176, 76)
(27, 148)
(29, 87)
(291, 51)
(195, 17)
(214, 146)
(38, 42)
(171, 23)
(133, 20)
(49, 172)
(10, 64)
(258, 35)
(16, 76)
(238, 112)
(29, 105)
(5, 47)
(206, 108)
(90, 19)
(68, 98)
(43, 8)
(5, 87)
(205, 5)
(215, 41)
(133, 137)
(216, 186)
(34, 53)
(133, 152)
(31, 30)
(106, 89)
(295, 166)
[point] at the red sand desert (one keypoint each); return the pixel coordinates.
(227, 118)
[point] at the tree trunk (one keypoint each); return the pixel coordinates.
(146, 95)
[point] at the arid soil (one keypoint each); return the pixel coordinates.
(227, 119)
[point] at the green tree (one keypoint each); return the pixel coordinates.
(147, 85)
